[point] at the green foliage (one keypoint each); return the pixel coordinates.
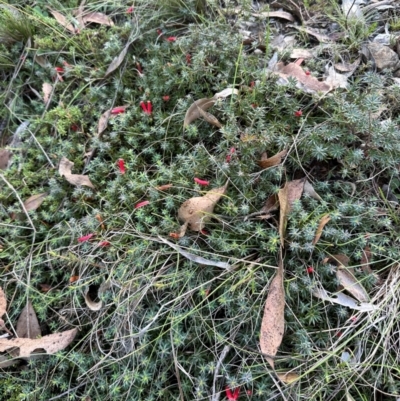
(163, 313)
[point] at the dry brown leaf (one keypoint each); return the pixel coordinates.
(3, 302)
(322, 223)
(301, 53)
(352, 285)
(28, 325)
(287, 195)
(305, 82)
(275, 14)
(273, 322)
(51, 344)
(210, 118)
(194, 111)
(309, 190)
(65, 168)
(347, 67)
(96, 306)
(337, 260)
(288, 378)
(273, 161)
(117, 61)
(271, 204)
(365, 260)
(62, 20)
(98, 18)
(34, 201)
(42, 61)
(5, 157)
(47, 89)
(103, 121)
(313, 32)
(196, 211)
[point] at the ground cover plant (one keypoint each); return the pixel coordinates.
(199, 200)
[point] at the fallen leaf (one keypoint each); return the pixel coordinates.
(196, 211)
(313, 32)
(289, 377)
(98, 18)
(27, 324)
(195, 110)
(308, 83)
(47, 89)
(42, 61)
(274, 160)
(322, 223)
(273, 322)
(51, 343)
(275, 14)
(195, 258)
(62, 20)
(5, 157)
(301, 53)
(344, 300)
(271, 204)
(3, 302)
(225, 93)
(65, 168)
(34, 201)
(91, 304)
(352, 285)
(103, 121)
(117, 61)
(287, 195)
(309, 190)
(337, 260)
(347, 67)
(336, 80)
(210, 118)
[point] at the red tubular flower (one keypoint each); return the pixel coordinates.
(143, 106)
(130, 10)
(118, 110)
(188, 59)
(104, 243)
(201, 182)
(121, 166)
(165, 98)
(74, 127)
(59, 69)
(232, 396)
(141, 204)
(298, 113)
(171, 38)
(149, 107)
(85, 238)
(229, 156)
(310, 270)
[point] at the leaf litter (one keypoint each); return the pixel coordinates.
(65, 169)
(28, 324)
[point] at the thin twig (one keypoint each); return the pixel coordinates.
(215, 396)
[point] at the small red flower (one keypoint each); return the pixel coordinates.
(104, 243)
(85, 238)
(204, 232)
(130, 10)
(74, 127)
(308, 73)
(121, 166)
(174, 235)
(254, 105)
(229, 156)
(147, 107)
(201, 182)
(59, 69)
(171, 38)
(298, 113)
(230, 395)
(141, 204)
(165, 98)
(118, 110)
(249, 392)
(310, 270)
(339, 334)
(353, 319)
(188, 58)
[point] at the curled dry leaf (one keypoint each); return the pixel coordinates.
(5, 157)
(289, 377)
(347, 67)
(210, 118)
(3, 302)
(117, 61)
(196, 211)
(62, 20)
(91, 304)
(342, 299)
(352, 285)
(34, 201)
(309, 190)
(272, 161)
(275, 14)
(322, 223)
(271, 204)
(273, 322)
(287, 195)
(195, 110)
(47, 89)
(98, 18)
(28, 325)
(103, 121)
(65, 168)
(51, 344)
